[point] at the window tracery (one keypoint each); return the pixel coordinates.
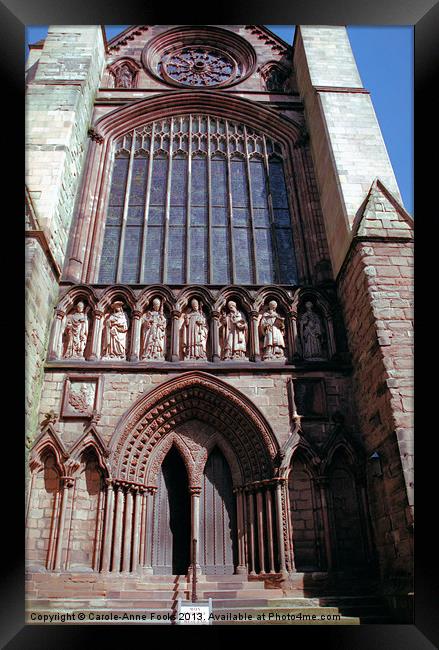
(200, 199)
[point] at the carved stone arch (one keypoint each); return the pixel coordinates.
(216, 440)
(155, 291)
(269, 69)
(49, 442)
(194, 395)
(324, 310)
(133, 66)
(159, 454)
(117, 291)
(339, 444)
(297, 444)
(91, 440)
(279, 294)
(234, 291)
(195, 291)
(319, 298)
(76, 293)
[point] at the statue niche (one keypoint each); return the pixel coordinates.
(312, 334)
(115, 333)
(123, 76)
(195, 332)
(153, 338)
(234, 330)
(272, 331)
(75, 334)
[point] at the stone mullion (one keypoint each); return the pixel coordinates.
(312, 237)
(135, 335)
(146, 213)
(175, 348)
(142, 529)
(209, 205)
(255, 274)
(289, 524)
(167, 205)
(271, 212)
(241, 568)
(69, 537)
(195, 529)
(108, 527)
(96, 337)
(270, 532)
(215, 327)
(55, 351)
(260, 526)
(53, 531)
(125, 210)
(256, 353)
(316, 521)
(188, 204)
(292, 336)
(230, 206)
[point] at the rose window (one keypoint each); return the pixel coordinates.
(201, 66)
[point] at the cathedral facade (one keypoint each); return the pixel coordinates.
(219, 317)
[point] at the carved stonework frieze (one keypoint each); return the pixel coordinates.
(153, 342)
(234, 333)
(81, 397)
(115, 331)
(76, 330)
(311, 333)
(195, 332)
(272, 328)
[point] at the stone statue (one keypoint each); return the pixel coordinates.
(235, 333)
(273, 329)
(124, 77)
(76, 332)
(154, 333)
(195, 333)
(310, 333)
(115, 333)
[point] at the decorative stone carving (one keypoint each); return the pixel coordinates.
(235, 333)
(195, 333)
(273, 329)
(123, 77)
(154, 333)
(116, 327)
(275, 79)
(81, 396)
(311, 333)
(76, 333)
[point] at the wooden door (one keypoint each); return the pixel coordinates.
(171, 528)
(217, 518)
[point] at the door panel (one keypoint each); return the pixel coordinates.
(217, 518)
(171, 536)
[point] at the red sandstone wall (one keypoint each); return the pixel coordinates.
(376, 290)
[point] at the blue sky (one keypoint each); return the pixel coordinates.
(384, 57)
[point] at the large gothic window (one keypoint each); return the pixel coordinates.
(197, 199)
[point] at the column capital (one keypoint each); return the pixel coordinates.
(195, 490)
(60, 313)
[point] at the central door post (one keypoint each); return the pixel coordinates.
(195, 530)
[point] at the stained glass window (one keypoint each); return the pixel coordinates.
(198, 199)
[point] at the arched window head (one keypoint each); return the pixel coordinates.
(197, 199)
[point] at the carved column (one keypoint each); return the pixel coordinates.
(256, 354)
(55, 351)
(270, 531)
(138, 500)
(241, 568)
(195, 529)
(281, 524)
(289, 550)
(215, 327)
(96, 340)
(127, 530)
(149, 507)
(260, 520)
(322, 482)
(251, 535)
(108, 526)
(120, 497)
(135, 335)
(175, 347)
(292, 336)
(67, 482)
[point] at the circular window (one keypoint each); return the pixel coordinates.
(200, 57)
